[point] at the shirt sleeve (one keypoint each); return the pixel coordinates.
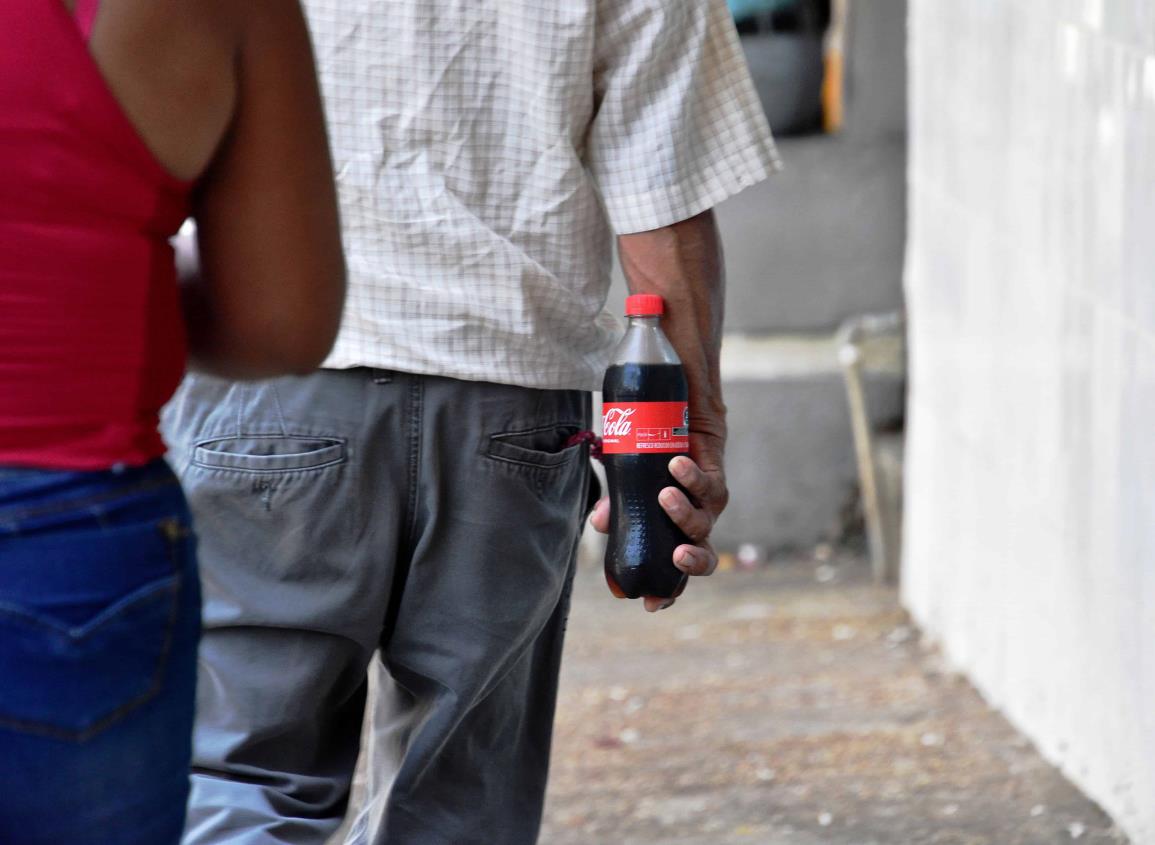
(678, 126)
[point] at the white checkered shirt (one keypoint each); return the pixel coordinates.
(487, 149)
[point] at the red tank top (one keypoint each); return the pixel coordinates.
(91, 337)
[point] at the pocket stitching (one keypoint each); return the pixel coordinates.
(34, 512)
(175, 533)
(142, 593)
(335, 445)
(562, 456)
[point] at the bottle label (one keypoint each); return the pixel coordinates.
(642, 428)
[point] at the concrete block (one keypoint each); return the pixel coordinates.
(790, 458)
(876, 69)
(787, 71)
(819, 242)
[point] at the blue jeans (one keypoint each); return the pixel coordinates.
(99, 622)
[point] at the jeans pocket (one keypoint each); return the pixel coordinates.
(71, 676)
(544, 447)
(269, 453)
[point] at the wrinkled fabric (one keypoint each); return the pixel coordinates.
(487, 150)
(420, 529)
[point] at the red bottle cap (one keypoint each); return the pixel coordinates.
(645, 305)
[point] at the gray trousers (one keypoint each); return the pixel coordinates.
(420, 528)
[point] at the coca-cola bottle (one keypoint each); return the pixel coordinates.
(645, 424)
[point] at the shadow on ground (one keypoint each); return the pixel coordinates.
(789, 705)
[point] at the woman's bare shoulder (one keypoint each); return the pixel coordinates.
(172, 64)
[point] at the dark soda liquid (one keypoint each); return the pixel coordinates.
(640, 552)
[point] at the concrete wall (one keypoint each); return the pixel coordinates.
(823, 240)
(1030, 544)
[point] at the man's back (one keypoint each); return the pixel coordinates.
(475, 144)
(401, 514)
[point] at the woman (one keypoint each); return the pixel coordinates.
(118, 120)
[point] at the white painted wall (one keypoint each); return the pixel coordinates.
(1030, 543)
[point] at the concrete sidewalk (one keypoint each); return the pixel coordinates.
(790, 705)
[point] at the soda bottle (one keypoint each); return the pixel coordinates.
(645, 424)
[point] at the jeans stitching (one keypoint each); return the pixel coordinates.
(147, 592)
(540, 475)
(257, 471)
(87, 501)
(176, 533)
(266, 435)
(416, 403)
(333, 443)
(563, 457)
(276, 397)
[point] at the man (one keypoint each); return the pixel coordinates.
(414, 509)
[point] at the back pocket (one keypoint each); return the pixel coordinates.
(544, 447)
(73, 659)
(269, 453)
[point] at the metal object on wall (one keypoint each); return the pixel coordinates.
(874, 344)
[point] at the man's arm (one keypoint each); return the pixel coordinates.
(683, 264)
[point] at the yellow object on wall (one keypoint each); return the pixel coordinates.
(834, 79)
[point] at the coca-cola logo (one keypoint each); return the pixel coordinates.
(616, 422)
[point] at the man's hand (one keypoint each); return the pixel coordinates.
(683, 264)
(705, 481)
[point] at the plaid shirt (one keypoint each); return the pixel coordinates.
(487, 150)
